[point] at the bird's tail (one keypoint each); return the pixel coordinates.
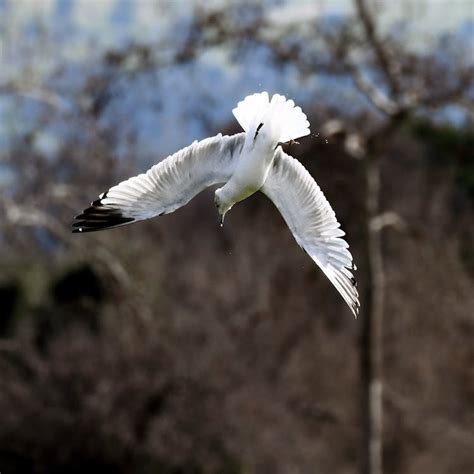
(287, 121)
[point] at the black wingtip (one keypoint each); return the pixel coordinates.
(356, 308)
(99, 216)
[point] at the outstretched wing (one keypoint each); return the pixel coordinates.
(312, 222)
(165, 187)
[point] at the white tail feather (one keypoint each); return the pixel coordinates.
(285, 120)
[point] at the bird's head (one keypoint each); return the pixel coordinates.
(222, 206)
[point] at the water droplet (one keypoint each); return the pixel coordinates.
(326, 141)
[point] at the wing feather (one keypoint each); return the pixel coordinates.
(312, 222)
(165, 187)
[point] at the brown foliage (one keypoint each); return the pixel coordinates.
(174, 346)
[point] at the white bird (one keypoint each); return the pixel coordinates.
(244, 163)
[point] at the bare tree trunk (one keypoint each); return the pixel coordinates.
(371, 353)
(372, 326)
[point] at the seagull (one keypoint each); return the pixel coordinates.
(242, 164)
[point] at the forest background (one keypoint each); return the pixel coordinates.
(175, 346)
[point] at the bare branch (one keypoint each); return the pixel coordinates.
(371, 92)
(388, 219)
(387, 66)
(35, 92)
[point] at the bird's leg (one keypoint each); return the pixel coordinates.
(287, 144)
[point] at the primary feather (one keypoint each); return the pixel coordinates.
(244, 163)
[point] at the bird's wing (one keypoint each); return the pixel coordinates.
(312, 222)
(165, 187)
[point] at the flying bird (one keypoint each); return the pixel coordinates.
(242, 164)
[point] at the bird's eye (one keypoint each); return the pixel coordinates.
(258, 129)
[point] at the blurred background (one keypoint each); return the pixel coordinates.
(177, 347)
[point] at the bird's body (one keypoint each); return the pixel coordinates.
(250, 173)
(243, 164)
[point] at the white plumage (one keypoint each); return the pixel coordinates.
(313, 223)
(244, 163)
(288, 122)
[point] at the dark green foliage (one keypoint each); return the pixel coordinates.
(77, 285)
(453, 147)
(10, 294)
(76, 298)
